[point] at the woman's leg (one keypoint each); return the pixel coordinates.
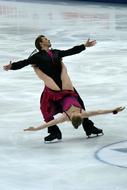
(66, 82)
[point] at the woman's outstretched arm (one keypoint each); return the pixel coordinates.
(86, 114)
(60, 119)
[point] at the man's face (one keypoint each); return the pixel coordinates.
(45, 42)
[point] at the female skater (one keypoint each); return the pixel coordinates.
(68, 99)
(73, 112)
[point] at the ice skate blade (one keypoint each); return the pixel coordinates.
(53, 141)
(94, 136)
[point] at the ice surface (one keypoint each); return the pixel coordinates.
(99, 74)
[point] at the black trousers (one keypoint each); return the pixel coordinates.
(86, 122)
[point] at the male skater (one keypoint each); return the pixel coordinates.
(49, 62)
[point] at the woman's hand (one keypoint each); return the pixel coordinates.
(30, 129)
(118, 109)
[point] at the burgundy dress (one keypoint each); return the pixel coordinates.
(50, 99)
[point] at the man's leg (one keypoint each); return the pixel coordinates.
(47, 110)
(54, 133)
(87, 124)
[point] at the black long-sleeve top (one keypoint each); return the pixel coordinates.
(50, 66)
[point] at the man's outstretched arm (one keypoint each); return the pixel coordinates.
(77, 49)
(19, 64)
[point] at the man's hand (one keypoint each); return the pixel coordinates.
(90, 43)
(7, 67)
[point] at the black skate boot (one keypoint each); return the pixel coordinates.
(52, 137)
(54, 134)
(94, 130)
(90, 129)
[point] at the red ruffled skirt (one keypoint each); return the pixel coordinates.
(50, 102)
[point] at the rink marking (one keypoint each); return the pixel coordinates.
(114, 154)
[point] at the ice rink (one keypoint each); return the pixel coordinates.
(99, 74)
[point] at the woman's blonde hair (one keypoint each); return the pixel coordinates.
(76, 121)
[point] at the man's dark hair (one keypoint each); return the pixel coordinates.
(76, 121)
(37, 42)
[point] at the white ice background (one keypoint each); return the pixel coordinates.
(100, 76)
